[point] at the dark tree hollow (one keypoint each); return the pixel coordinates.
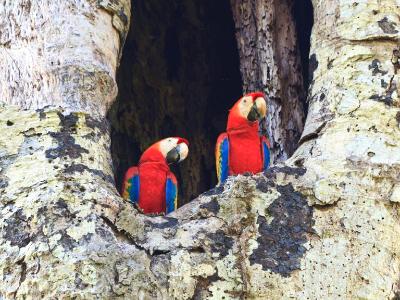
(179, 75)
(304, 19)
(181, 72)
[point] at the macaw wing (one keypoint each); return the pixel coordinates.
(266, 153)
(222, 157)
(131, 185)
(171, 193)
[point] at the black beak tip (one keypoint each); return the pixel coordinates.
(173, 156)
(253, 114)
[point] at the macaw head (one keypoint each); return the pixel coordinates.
(170, 150)
(248, 109)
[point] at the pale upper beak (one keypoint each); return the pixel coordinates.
(183, 150)
(258, 110)
(261, 106)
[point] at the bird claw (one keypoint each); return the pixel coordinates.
(138, 207)
(156, 214)
(150, 214)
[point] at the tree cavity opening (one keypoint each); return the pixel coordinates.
(178, 76)
(303, 15)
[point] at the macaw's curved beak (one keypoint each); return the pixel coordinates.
(178, 153)
(258, 110)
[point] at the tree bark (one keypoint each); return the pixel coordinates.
(321, 225)
(270, 62)
(61, 54)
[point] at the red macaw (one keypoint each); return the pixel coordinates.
(152, 185)
(242, 149)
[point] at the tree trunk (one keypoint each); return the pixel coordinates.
(322, 225)
(270, 62)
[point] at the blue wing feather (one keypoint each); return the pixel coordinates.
(266, 154)
(134, 190)
(131, 185)
(222, 157)
(171, 194)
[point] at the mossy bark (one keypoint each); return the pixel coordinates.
(321, 225)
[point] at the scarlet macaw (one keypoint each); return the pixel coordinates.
(241, 148)
(152, 185)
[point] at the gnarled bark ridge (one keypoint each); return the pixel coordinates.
(321, 225)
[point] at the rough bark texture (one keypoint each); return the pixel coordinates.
(61, 54)
(270, 62)
(321, 226)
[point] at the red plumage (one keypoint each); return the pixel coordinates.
(245, 152)
(255, 95)
(153, 172)
(245, 143)
(182, 140)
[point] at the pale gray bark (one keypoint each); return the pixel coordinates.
(322, 225)
(61, 53)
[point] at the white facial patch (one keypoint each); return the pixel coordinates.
(167, 145)
(245, 105)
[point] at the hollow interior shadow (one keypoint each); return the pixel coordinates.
(178, 76)
(303, 15)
